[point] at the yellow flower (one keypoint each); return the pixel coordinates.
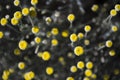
(14, 21)
(1, 34)
(73, 69)
(88, 73)
(70, 78)
(34, 2)
(25, 11)
(35, 29)
(89, 65)
(3, 21)
(113, 12)
(37, 40)
(73, 37)
(23, 44)
(17, 15)
(80, 65)
(46, 56)
(71, 17)
(55, 31)
(21, 65)
(78, 50)
(87, 28)
(49, 70)
(54, 42)
(16, 2)
(109, 43)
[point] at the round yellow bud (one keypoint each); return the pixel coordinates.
(55, 31)
(89, 65)
(54, 42)
(46, 56)
(86, 78)
(37, 40)
(88, 73)
(16, 2)
(1, 34)
(94, 76)
(3, 21)
(49, 70)
(109, 43)
(80, 65)
(65, 34)
(114, 28)
(94, 7)
(87, 28)
(73, 37)
(21, 65)
(73, 69)
(79, 50)
(34, 2)
(71, 17)
(23, 44)
(80, 35)
(17, 15)
(14, 21)
(117, 7)
(35, 29)
(25, 11)
(70, 78)
(113, 12)
(112, 53)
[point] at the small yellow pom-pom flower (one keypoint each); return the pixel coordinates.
(1, 34)
(89, 65)
(35, 29)
(65, 34)
(54, 42)
(16, 2)
(70, 78)
(112, 53)
(80, 35)
(46, 56)
(86, 42)
(86, 78)
(94, 7)
(25, 11)
(116, 71)
(55, 31)
(80, 65)
(78, 50)
(34, 2)
(3, 21)
(71, 17)
(87, 28)
(94, 76)
(114, 28)
(88, 73)
(73, 69)
(17, 15)
(14, 21)
(23, 44)
(49, 70)
(73, 37)
(21, 65)
(37, 40)
(17, 51)
(117, 7)
(109, 43)
(113, 12)
(31, 74)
